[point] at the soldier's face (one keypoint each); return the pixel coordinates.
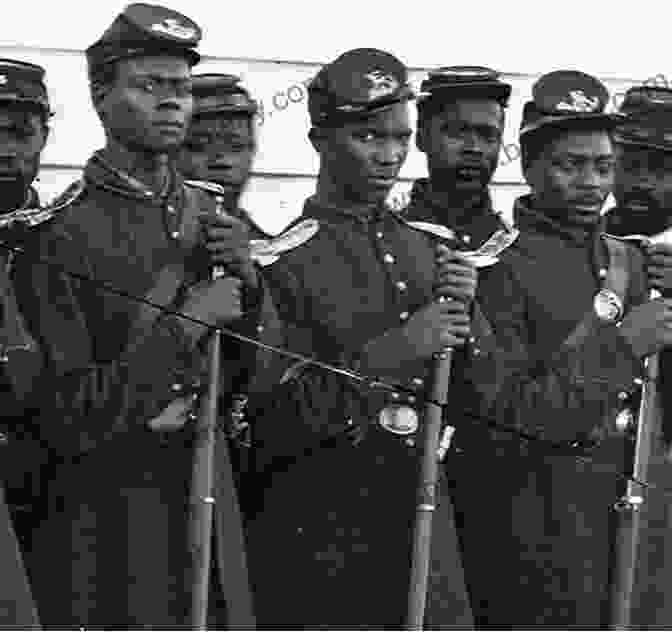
(22, 139)
(643, 186)
(462, 143)
(573, 175)
(220, 148)
(363, 159)
(149, 105)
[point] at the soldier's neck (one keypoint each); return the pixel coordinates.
(328, 193)
(13, 196)
(150, 168)
(451, 198)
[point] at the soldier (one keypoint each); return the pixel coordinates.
(356, 286)
(563, 285)
(121, 378)
(24, 116)
(221, 142)
(460, 126)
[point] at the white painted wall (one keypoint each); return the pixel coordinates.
(256, 40)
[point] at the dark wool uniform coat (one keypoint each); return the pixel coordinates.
(330, 540)
(112, 551)
(546, 547)
(20, 450)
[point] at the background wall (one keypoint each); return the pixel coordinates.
(278, 47)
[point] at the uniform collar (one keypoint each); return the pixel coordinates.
(526, 218)
(432, 207)
(332, 212)
(102, 173)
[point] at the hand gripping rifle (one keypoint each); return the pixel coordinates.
(212, 478)
(629, 506)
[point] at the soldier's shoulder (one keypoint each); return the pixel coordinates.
(48, 214)
(289, 242)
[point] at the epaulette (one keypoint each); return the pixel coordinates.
(203, 185)
(484, 256)
(34, 216)
(267, 251)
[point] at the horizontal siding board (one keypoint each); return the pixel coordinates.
(510, 35)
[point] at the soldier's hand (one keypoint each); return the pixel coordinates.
(456, 277)
(659, 267)
(431, 329)
(648, 327)
(442, 323)
(227, 240)
(214, 302)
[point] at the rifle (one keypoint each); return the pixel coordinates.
(426, 491)
(629, 506)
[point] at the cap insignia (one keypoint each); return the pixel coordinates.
(381, 85)
(3, 80)
(172, 27)
(577, 101)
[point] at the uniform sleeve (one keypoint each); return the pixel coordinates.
(84, 402)
(574, 393)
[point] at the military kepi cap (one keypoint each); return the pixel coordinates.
(566, 98)
(145, 29)
(359, 82)
(221, 93)
(648, 118)
(23, 83)
(450, 82)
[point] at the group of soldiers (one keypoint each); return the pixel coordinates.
(109, 300)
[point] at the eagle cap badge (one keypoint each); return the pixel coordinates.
(173, 28)
(578, 101)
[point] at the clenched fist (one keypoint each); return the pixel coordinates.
(456, 277)
(227, 241)
(214, 302)
(439, 324)
(648, 327)
(659, 267)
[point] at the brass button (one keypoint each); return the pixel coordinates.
(404, 316)
(176, 387)
(466, 239)
(623, 395)
(260, 329)
(401, 286)
(388, 258)
(602, 273)
(379, 235)
(417, 381)
(171, 209)
(175, 234)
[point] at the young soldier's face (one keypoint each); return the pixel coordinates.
(462, 144)
(573, 175)
(22, 138)
(149, 105)
(643, 186)
(220, 148)
(363, 158)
